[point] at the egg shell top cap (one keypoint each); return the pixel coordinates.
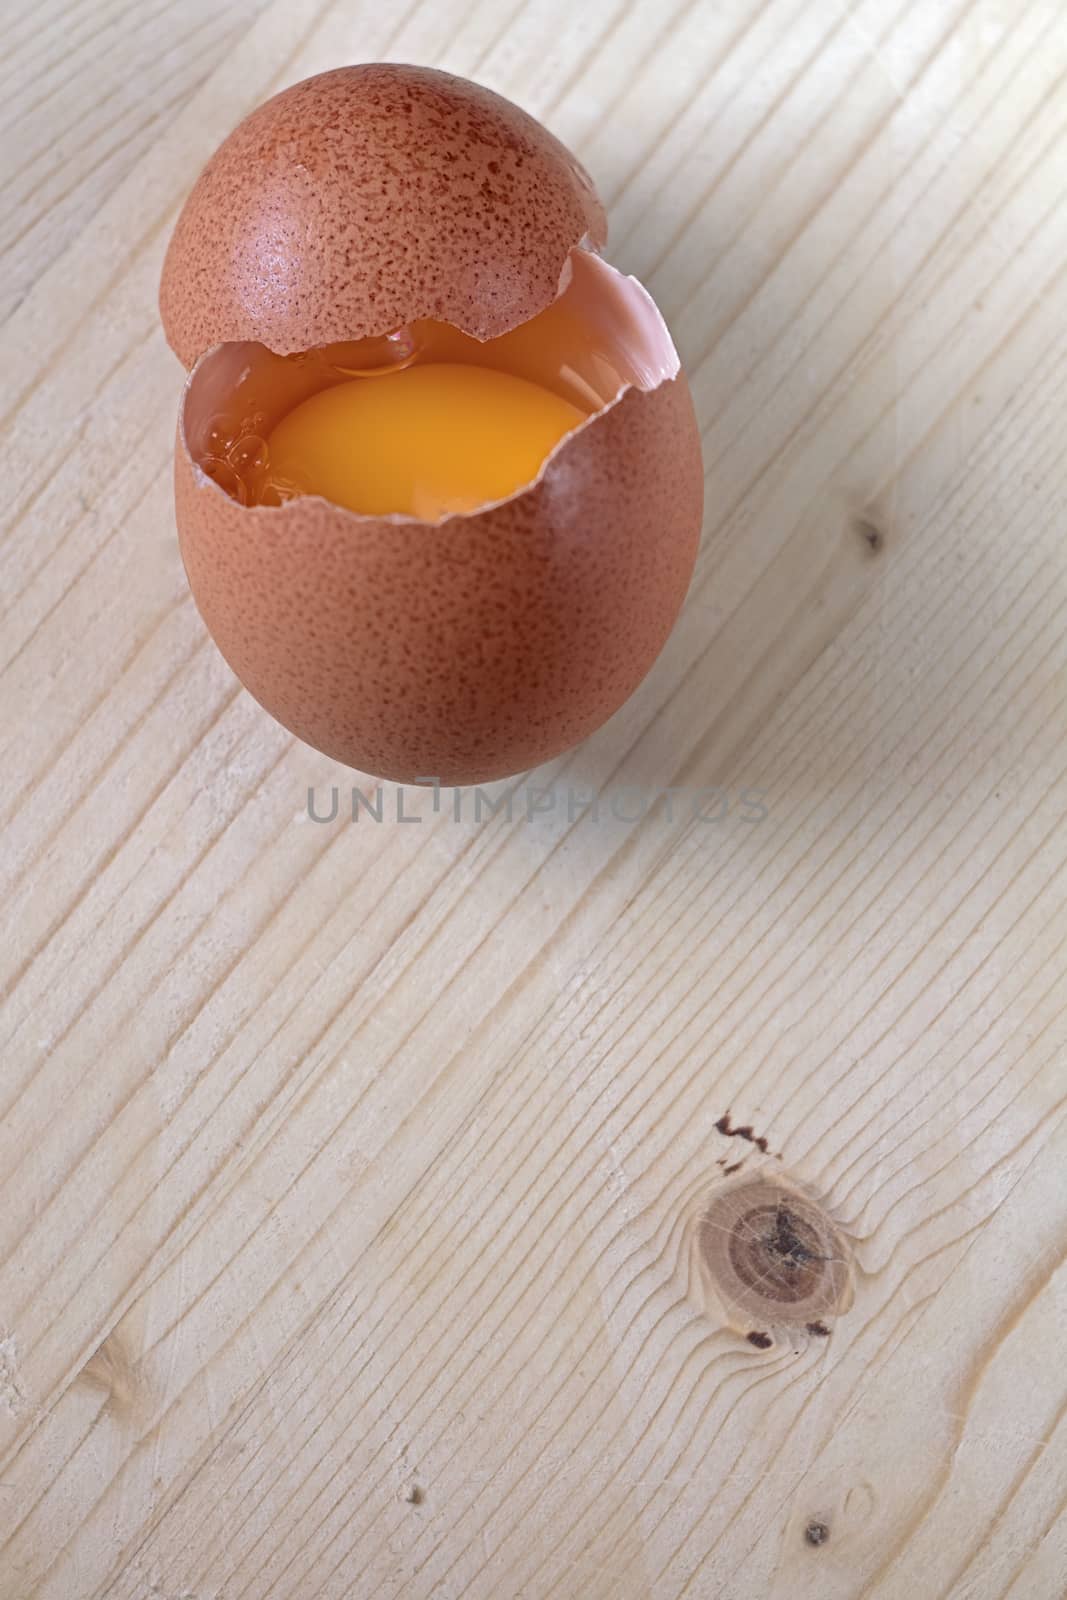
(369, 197)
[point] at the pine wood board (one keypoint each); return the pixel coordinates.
(349, 1171)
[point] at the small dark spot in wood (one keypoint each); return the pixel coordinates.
(762, 1341)
(816, 1533)
(872, 536)
(818, 1330)
(735, 1166)
(725, 1127)
(414, 1496)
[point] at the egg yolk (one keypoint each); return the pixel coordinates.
(426, 441)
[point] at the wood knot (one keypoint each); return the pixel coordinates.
(816, 1533)
(112, 1370)
(773, 1254)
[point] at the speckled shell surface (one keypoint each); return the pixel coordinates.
(368, 197)
(471, 649)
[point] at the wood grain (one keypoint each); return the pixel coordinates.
(350, 1172)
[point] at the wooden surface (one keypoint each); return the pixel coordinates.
(348, 1172)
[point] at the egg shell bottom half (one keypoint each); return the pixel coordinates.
(471, 649)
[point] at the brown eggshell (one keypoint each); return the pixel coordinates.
(473, 648)
(369, 197)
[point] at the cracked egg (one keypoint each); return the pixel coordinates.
(438, 476)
